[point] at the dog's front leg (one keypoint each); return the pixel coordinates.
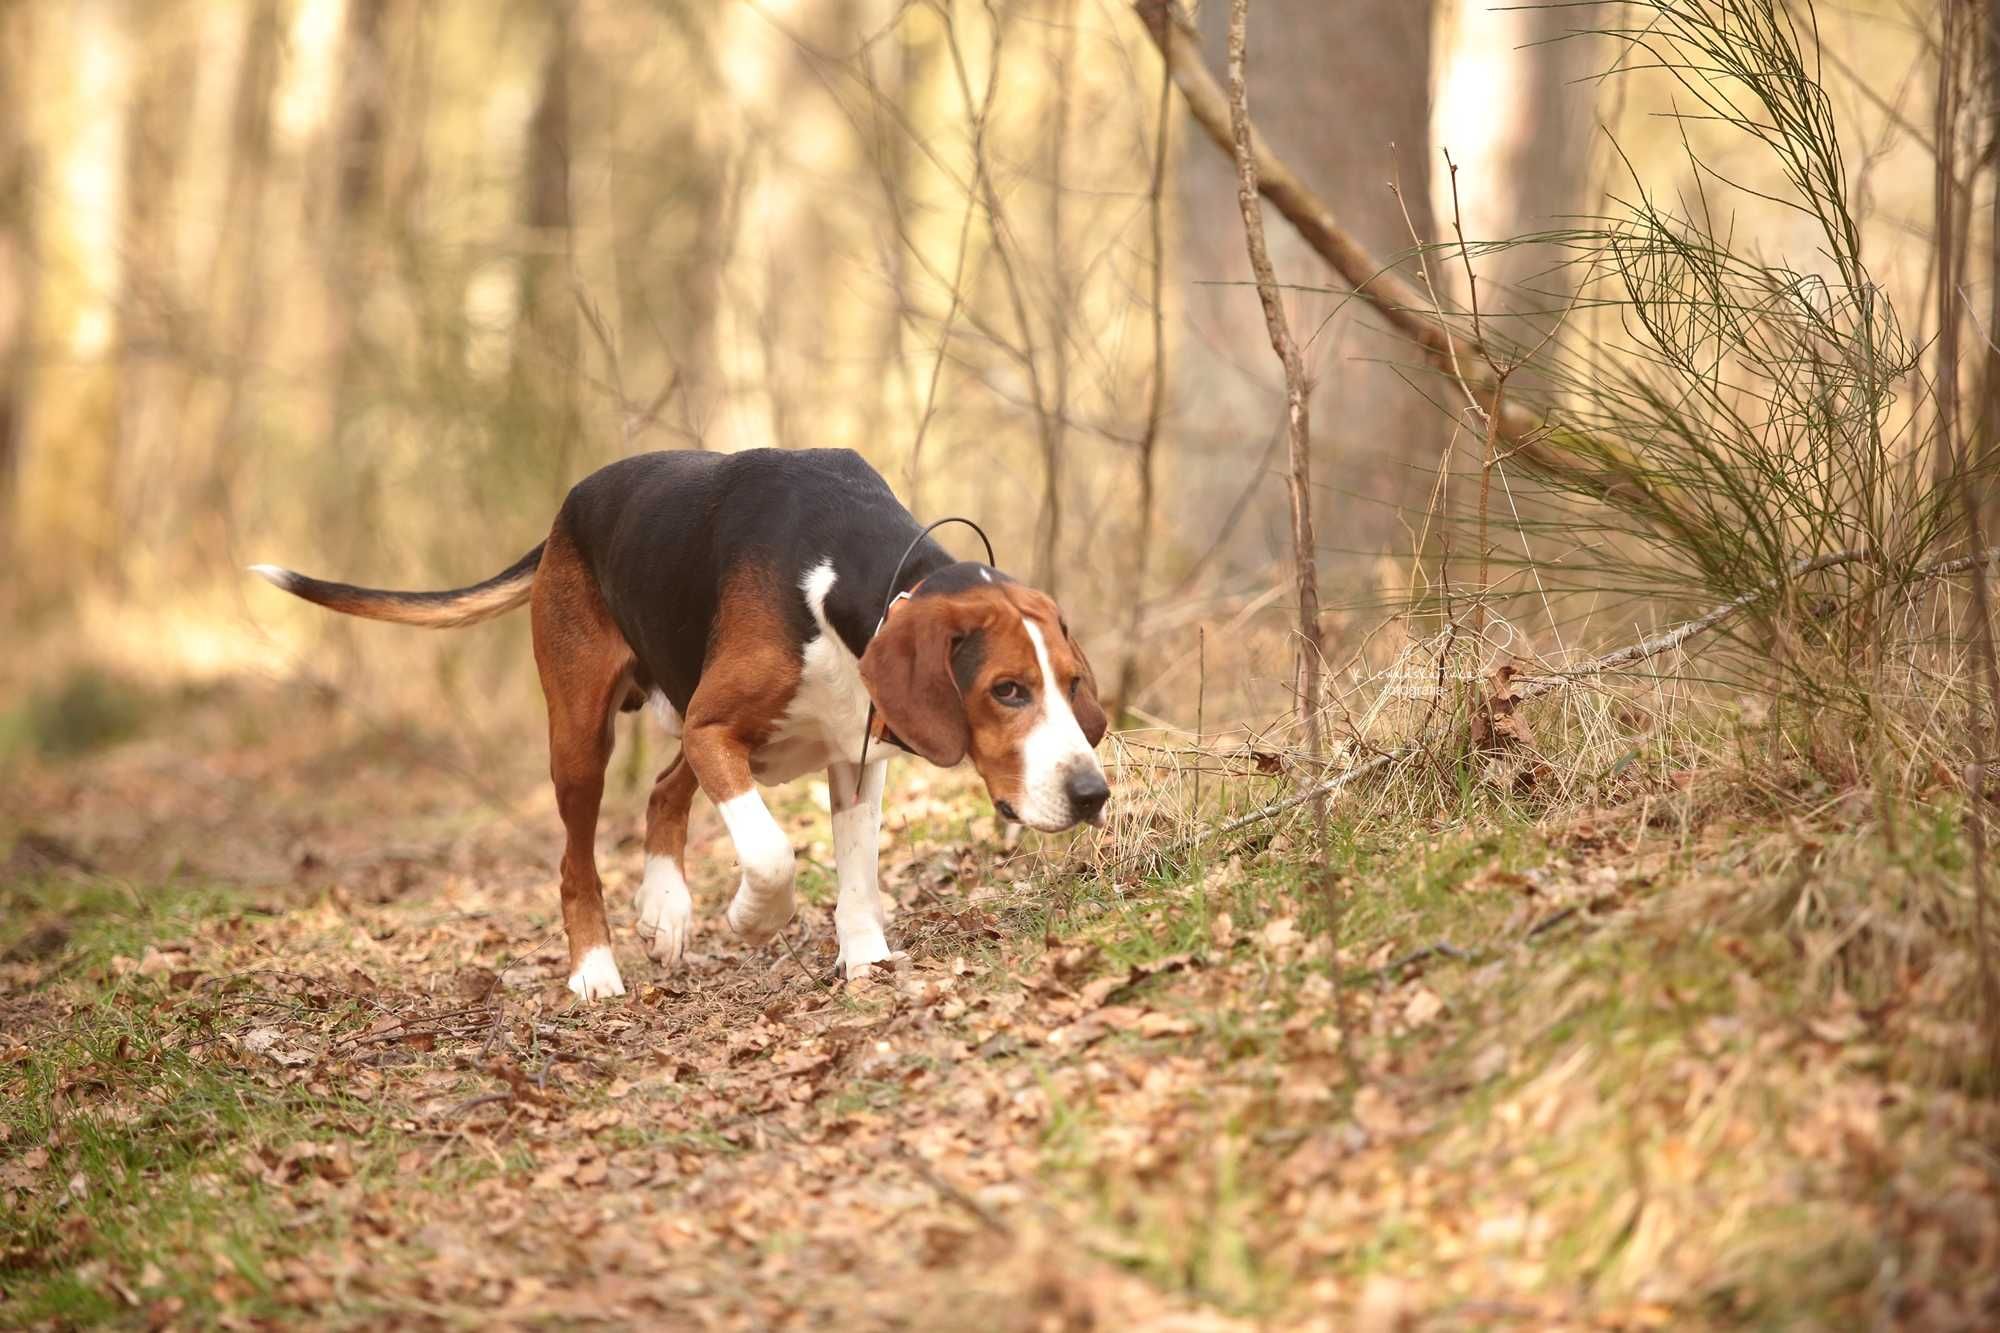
(857, 828)
(763, 902)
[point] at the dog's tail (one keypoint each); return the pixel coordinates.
(433, 610)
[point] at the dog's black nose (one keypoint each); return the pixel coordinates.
(1087, 791)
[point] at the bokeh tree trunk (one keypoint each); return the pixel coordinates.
(545, 343)
(1343, 95)
(1519, 119)
(1062, 60)
(17, 247)
(1987, 440)
(363, 107)
(67, 486)
(236, 294)
(673, 225)
(151, 376)
(354, 225)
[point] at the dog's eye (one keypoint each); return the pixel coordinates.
(1011, 692)
(1074, 681)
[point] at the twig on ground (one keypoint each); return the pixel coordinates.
(1442, 949)
(448, 1023)
(1446, 949)
(1326, 788)
(471, 1104)
(826, 981)
(1549, 923)
(1533, 687)
(497, 1030)
(284, 974)
(979, 1211)
(516, 959)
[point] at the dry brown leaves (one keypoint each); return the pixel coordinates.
(1011, 1132)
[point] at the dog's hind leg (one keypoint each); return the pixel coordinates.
(586, 669)
(666, 912)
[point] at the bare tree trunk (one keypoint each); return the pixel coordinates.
(149, 378)
(351, 240)
(1989, 412)
(1297, 389)
(546, 337)
(1025, 351)
(715, 186)
(890, 149)
(1156, 401)
(1516, 115)
(17, 260)
(364, 96)
(1946, 243)
(545, 196)
(69, 489)
(671, 226)
(1953, 466)
(1344, 98)
(1056, 427)
(236, 275)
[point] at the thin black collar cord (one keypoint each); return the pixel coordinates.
(895, 579)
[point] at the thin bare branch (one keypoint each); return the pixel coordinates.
(1532, 687)
(1298, 392)
(1591, 463)
(1156, 399)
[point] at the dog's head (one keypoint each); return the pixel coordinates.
(975, 664)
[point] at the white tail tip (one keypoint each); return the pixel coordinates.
(272, 574)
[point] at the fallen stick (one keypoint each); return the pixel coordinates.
(1326, 788)
(980, 1212)
(1442, 949)
(471, 1104)
(1533, 687)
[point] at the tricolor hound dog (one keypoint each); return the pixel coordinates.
(743, 594)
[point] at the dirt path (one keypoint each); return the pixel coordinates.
(281, 1047)
(742, 1143)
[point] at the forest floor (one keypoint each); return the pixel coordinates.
(284, 1039)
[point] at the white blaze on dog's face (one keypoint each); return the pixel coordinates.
(1061, 780)
(989, 670)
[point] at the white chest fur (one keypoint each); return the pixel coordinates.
(829, 711)
(663, 709)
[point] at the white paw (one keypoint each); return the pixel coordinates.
(860, 952)
(596, 977)
(666, 911)
(757, 918)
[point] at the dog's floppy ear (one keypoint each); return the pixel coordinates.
(907, 669)
(1089, 712)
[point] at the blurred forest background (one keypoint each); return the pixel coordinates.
(362, 286)
(1606, 943)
